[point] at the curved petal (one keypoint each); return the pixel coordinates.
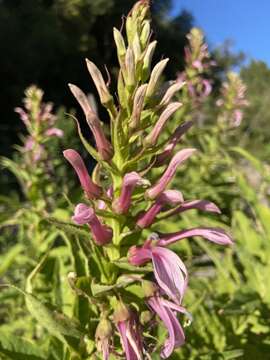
(170, 273)
(215, 235)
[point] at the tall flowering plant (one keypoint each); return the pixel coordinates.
(135, 280)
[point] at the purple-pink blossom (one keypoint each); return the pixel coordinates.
(166, 311)
(169, 173)
(169, 270)
(168, 197)
(91, 189)
(103, 145)
(83, 214)
(122, 204)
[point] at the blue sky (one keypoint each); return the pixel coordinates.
(246, 22)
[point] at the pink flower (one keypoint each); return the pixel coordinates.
(130, 181)
(162, 158)
(215, 235)
(23, 115)
(203, 205)
(91, 189)
(54, 132)
(83, 214)
(166, 311)
(168, 197)
(169, 173)
(152, 138)
(169, 270)
(103, 145)
(128, 326)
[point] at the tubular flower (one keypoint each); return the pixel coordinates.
(130, 181)
(169, 173)
(166, 311)
(169, 270)
(83, 214)
(128, 326)
(162, 158)
(215, 235)
(152, 138)
(102, 144)
(168, 197)
(203, 205)
(91, 189)
(103, 337)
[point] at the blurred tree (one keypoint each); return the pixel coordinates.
(255, 128)
(45, 42)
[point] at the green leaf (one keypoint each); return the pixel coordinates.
(68, 227)
(252, 159)
(16, 348)
(9, 257)
(233, 354)
(123, 264)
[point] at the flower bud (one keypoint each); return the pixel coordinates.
(130, 181)
(121, 312)
(83, 214)
(168, 197)
(169, 173)
(120, 45)
(129, 74)
(105, 96)
(149, 288)
(91, 189)
(148, 59)
(145, 34)
(155, 77)
(152, 137)
(145, 317)
(103, 145)
(136, 46)
(103, 337)
(138, 106)
(163, 157)
(172, 90)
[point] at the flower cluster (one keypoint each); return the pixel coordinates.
(39, 122)
(233, 100)
(198, 64)
(123, 198)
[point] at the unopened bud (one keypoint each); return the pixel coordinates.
(155, 77)
(136, 47)
(104, 94)
(145, 317)
(149, 288)
(148, 60)
(172, 90)
(120, 45)
(121, 312)
(104, 329)
(152, 137)
(138, 106)
(130, 68)
(145, 33)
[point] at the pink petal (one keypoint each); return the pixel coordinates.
(91, 189)
(168, 175)
(215, 235)
(170, 273)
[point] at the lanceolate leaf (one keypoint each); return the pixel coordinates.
(16, 348)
